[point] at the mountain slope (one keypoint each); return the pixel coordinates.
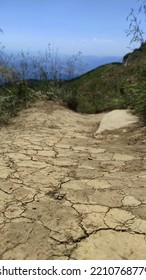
(111, 86)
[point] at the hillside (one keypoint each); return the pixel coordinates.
(111, 86)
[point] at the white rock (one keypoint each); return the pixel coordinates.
(116, 119)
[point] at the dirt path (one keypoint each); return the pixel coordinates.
(65, 194)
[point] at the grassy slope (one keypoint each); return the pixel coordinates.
(108, 87)
(111, 86)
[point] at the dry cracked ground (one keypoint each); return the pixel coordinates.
(66, 194)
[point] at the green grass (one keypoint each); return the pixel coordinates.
(15, 98)
(111, 86)
(108, 87)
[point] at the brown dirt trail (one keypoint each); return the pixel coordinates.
(65, 194)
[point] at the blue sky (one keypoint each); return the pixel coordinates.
(94, 27)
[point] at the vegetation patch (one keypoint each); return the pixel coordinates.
(108, 87)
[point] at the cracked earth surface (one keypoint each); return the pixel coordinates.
(66, 194)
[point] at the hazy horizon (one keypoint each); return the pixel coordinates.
(25, 61)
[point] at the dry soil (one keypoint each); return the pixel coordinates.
(66, 194)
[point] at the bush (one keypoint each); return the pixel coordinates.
(69, 97)
(13, 99)
(136, 99)
(86, 104)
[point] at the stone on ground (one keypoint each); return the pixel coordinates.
(116, 119)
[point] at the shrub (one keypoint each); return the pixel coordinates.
(136, 99)
(13, 99)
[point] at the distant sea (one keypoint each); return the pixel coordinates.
(85, 64)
